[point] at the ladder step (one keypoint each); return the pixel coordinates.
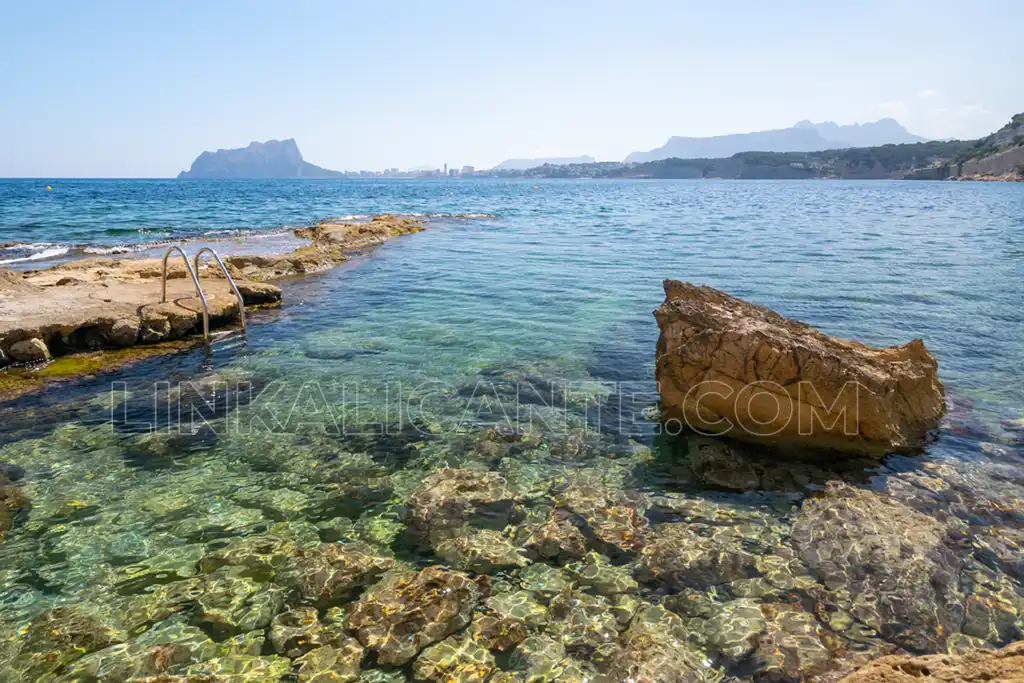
(199, 289)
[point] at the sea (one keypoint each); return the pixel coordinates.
(514, 336)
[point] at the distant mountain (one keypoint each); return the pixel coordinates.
(523, 164)
(881, 132)
(803, 137)
(270, 159)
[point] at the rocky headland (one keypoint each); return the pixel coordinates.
(115, 303)
(725, 366)
(270, 159)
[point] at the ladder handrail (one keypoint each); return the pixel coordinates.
(227, 276)
(195, 281)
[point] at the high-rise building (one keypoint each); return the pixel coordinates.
(446, 169)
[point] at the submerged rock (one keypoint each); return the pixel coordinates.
(539, 659)
(679, 558)
(169, 647)
(497, 632)
(330, 572)
(479, 550)
(241, 669)
(543, 580)
(613, 523)
(337, 661)
(790, 647)
(602, 578)
(451, 498)
(580, 620)
(974, 667)
(519, 605)
(256, 557)
(454, 660)
(888, 565)
(234, 604)
(407, 611)
(58, 637)
(727, 366)
(13, 502)
(556, 538)
(715, 463)
(654, 648)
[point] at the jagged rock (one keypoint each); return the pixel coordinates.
(255, 557)
(497, 632)
(29, 350)
(654, 648)
(556, 538)
(734, 629)
(726, 366)
(451, 498)
(329, 573)
(58, 637)
(479, 550)
(679, 558)
(241, 669)
(297, 631)
(581, 620)
(543, 580)
(12, 502)
(612, 523)
(335, 662)
(539, 659)
(236, 604)
(624, 608)
(717, 464)
(596, 574)
(1002, 666)
(519, 605)
(454, 660)
(10, 472)
(790, 647)
(888, 565)
(406, 611)
(167, 647)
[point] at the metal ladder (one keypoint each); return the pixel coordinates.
(193, 273)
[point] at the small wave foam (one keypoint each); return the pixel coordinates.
(118, 249)
(37, 251)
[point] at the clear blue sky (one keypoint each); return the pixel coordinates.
(129, 89)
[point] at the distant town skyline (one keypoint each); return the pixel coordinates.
(122, 89)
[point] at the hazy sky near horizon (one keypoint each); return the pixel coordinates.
(139, 89)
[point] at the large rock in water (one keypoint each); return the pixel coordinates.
(725, 366)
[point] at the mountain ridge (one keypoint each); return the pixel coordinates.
(804, 136)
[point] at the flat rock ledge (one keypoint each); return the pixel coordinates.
(107, 303)
(1002, 666)
(725, 366)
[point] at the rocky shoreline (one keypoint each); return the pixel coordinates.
(102, 304)
(508, 554)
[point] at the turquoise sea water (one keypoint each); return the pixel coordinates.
(398, 364)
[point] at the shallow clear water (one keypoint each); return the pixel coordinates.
(377, 374)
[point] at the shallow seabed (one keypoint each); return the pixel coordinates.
(438, 462)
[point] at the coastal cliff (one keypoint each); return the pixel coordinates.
(270, 159)
(999, 156)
